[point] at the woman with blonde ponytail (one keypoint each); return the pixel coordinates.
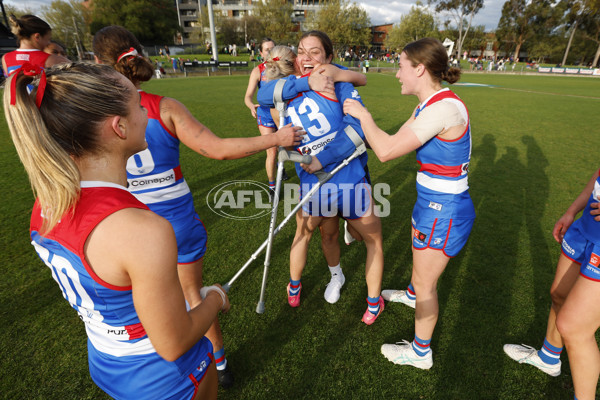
(170, 123)
(33, 36)
(114, 259)
(440, 133)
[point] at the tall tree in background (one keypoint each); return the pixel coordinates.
(253, 30)
(276, 19)
(346, 24)
(477, 40)
(415, 25)
(576, 11)
(590, 26)
(522, 19)
(70, 23)
(462, 12)
(230, 31)
(151, 21)
(199, 31)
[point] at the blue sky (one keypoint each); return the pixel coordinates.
(380, 11)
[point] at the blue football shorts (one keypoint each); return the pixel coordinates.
(191, 238)
(349, 201)
(581, 251)
(264, 118)
(446, 234)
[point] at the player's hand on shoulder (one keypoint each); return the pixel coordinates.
(320, 82)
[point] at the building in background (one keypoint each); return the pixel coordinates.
(189, 13)
(378, 35)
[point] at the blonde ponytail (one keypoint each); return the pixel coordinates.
(77, 98)
(53, 175)
(279, 63)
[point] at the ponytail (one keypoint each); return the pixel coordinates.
(53, 175)
(78, 97)
(279, 63)
(113, 46)
(28, 25)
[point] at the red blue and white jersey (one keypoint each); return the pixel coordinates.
(263, 114)
(14, 59)
(322, 119)
(154, 175)
(442, 183)
(262, 68)
(589, 226)
(122, 360)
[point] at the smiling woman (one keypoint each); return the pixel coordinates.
(440, 133)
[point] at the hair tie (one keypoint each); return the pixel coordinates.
(28, 69)
(131, 52)
(275, 59)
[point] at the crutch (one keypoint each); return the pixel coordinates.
(323, 178)
(282, 153)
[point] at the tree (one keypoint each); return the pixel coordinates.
(253, 29)
(355, 29)
(69, 22)
(151, 21)
(463, 12)
(11, 9)
(415, 25)
(521, 19)
(477, 40)
(198, 33)
(276, 17)
(229, 31)
(590, 26)
(576, 11)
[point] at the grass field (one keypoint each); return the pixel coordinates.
(534, 143)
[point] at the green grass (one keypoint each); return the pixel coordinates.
(534, 148)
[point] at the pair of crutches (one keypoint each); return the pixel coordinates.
(284, 155)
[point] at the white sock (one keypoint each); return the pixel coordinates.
(337, 270)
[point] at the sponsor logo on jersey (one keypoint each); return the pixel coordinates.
(437, 241)
(153, 181)
(592, 270)
(317, 145)
(595, 260)
(568, 249)
(420, 236)
(464, 169)
(355, 94)
(22, 57)
(116, 332)
(202, 366)
(435, 206)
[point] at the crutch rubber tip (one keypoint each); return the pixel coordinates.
(260, 308)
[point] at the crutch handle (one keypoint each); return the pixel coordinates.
(294, 156)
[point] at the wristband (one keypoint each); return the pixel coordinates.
(204, 291)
